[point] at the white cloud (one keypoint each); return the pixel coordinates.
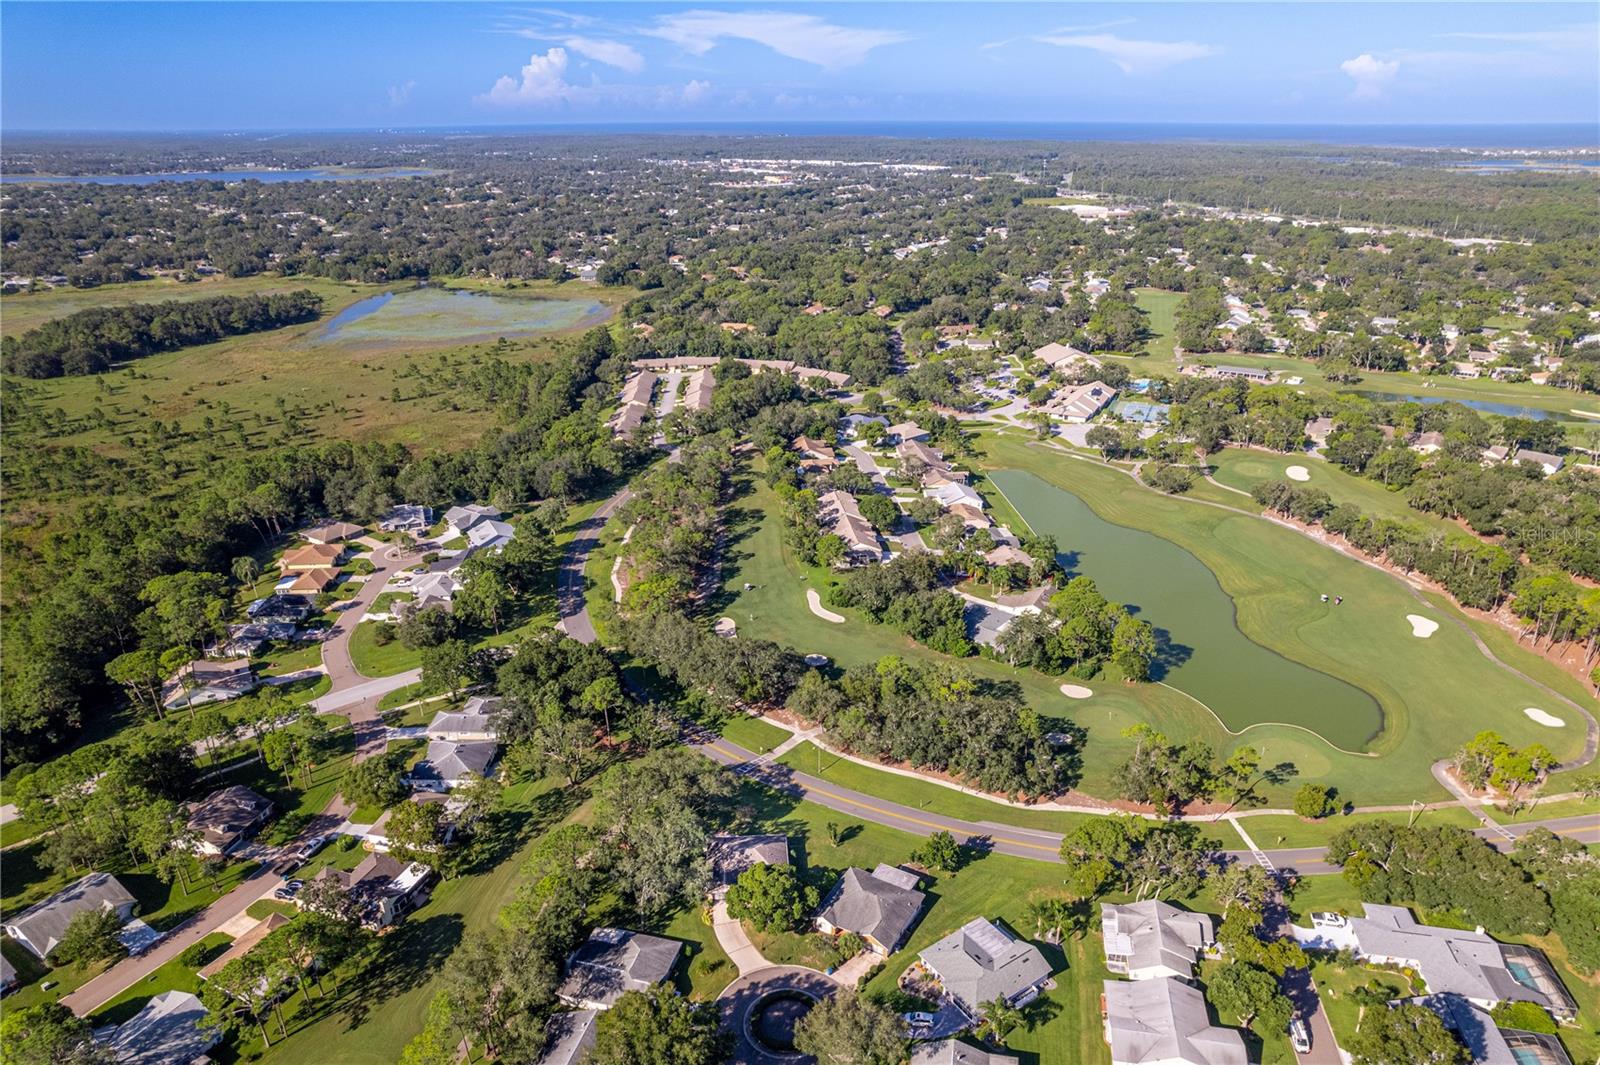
(1371, 75)
(612, 53)
(400, 95)
(543, 81)
(1577, 36)
(807, 38)
(1134, 57)
(696, 91)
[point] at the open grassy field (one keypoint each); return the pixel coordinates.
(1244, 468)
(342, 389)
(1162, 308)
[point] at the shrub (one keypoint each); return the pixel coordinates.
(1524, 1016)
(1314, 801)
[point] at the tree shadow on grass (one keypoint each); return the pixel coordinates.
(503, 832)
(403, 960)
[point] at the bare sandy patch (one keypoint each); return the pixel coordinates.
(1076, 691)
(1543, 717)
(1422, 627)
(726, 628)
(814, 601)
(1297, 473)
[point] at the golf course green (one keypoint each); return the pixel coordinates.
(1203, 654)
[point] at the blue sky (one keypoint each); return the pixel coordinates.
(263, 66)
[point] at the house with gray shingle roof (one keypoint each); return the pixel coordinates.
(447, 764)
(955, 1052)
(1149, 939)
(880, 906)
(613, 962)
(980, 962)
(1165, 1022)
(1490, 1044)
(1461, 962)
(568, 1037)
(168, 1031)
(41, 926)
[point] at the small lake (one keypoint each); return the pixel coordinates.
(454, 316)
(1505, 410)
(1204, 653)
(266, 177)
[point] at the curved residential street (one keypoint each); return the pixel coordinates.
(570, 604)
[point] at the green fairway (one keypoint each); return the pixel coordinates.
(1435, 693)
(1203, 653)
(1162, 308)
(1244, 468)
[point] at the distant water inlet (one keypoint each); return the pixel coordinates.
(1203, 652)
(452, 316)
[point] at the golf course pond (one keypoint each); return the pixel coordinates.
(1203, 652)
(429, 315)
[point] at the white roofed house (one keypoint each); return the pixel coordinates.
(1165, 1022)
(1079, 403)
(1550, 464)
(1427, 443)
(458, 520)
(407, 517)
(840, 515)
(490, 535)
(1151, 939)
(436, 589)
(1060, 356)
(950, 493)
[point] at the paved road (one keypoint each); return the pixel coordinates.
(569, 583)
(386, 560)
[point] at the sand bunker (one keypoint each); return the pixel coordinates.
(1542, 717)
(814, 601)
(816, 660)
(1297, 473)
(725, 627)
(1421, 626)
(1076, 691)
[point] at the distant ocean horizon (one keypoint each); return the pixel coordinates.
(1505, 135)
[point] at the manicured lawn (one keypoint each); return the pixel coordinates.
(704, 969)
(1543, 811)
(752, 733)
(289, 659)
(1271, 831)
(373, 660)
(401, 696)
(173, 976)
(1162, 308)
(1245, 468)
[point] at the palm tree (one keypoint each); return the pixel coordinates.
(997, 1019)
(246, 569)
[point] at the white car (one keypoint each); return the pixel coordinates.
(1299, 1036)
(1329, 920)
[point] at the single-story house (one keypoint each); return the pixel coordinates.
(474, 722)
(249, 638)
(307, 582)
(1006, 555)
(40, 927)
(1079, 403)
(244, 944)
(1057, 355)
(986, 624)
(1427, 443)
(448, 764)
(697, 393)
(279, 608)
(1032, 601)
(377, 836)
(840, 515)
(1466, 370)
(880, 906)
(971, 516)
(568, 1037)
(1550, 464)
(8, 975)
(437, 589)
(956, 1052)
(903, 431)
(384, 888)
(1457, 961)
(407, 517)
(731, 855)
(1487, 1042)
(1150, 939)
(311, 557)
(226, 817)
(1495, 455)
(855, 423)
(458, 520)
(941, 473)
(167, 1031)
(208, 680)
(950, 493)
(1317, 430)
(615, 961)
(1165, 1022)
(490, 535)
(916, 449)
(814, 449)
(333, 532)
(980, 962)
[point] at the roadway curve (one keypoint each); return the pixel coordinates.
(1004, 839)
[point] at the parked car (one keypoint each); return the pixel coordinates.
(917, 1019)
(1300, 1035)
(1325, 919)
